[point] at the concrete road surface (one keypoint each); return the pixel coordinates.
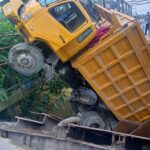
(6, 144)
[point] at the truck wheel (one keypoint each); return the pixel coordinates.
(26, 59)
(92, 119)
(84, 96)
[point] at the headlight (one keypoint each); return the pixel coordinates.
(26, 17)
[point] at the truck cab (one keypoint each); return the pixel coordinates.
(64, 26)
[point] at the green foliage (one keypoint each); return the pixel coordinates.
(8, 77)
(3, 57)
(50, 98)
(55, 93)
(3, 95)
(7, 28)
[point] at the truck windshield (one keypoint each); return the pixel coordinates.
(69, 15)
(44, 3)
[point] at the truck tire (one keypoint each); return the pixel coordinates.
(92, 119)
(84, 96)
(26, 59)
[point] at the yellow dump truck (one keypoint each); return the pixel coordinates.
(103, 55)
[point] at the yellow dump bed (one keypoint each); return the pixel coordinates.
(118, 67)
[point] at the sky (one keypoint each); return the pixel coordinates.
(141, 9)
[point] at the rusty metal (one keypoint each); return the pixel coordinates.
(110, 138)
(143, 129)
(42, 121)
(42, 133)
(43, 141)
(134, 128)
(126, 126)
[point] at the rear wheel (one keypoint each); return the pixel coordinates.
(92, 119)
(26, 59)
(84, 96)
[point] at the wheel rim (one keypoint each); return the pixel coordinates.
(27, 60)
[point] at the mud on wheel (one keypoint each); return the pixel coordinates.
(26, 59)
(92, 119)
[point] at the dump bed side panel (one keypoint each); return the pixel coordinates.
(118, 69)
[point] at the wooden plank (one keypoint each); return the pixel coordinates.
(126, 126)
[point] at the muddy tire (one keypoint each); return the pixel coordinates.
(92, 119)
(84, 96)
(26, 59)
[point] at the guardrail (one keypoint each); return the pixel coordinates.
(119, 5)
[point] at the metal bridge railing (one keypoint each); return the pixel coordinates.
(119, 5)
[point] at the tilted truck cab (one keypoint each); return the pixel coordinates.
(63, 25)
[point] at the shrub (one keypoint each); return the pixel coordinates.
(49, 98)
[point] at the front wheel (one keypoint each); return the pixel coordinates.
(26, 59)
